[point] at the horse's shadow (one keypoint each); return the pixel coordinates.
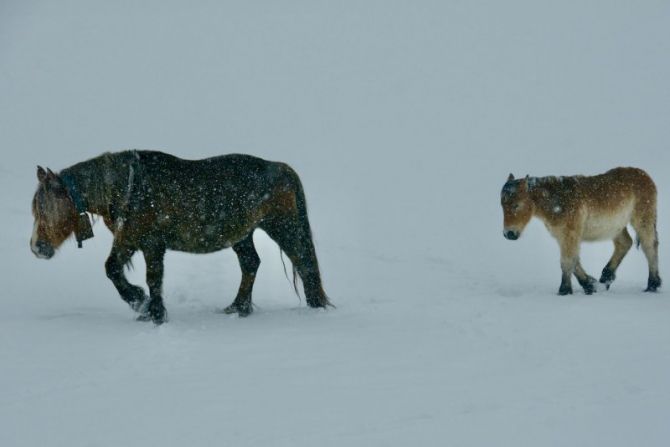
(621, 292)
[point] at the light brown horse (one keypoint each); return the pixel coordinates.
(153, 202)
(581, 208)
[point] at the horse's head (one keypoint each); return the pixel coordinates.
(517, 206)
(54, 212)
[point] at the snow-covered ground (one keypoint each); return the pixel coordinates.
(403, 122)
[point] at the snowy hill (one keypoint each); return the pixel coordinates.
(403, 122)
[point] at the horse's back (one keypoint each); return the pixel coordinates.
(621, 185)
(234, 173)
(635, 178)
(161, 163)
(209, 204)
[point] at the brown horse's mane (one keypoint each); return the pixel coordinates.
(553, 181)
(549, 185)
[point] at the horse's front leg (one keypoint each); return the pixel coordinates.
(569, 261)
(587, 281)
(622, 243)
(154, 309)
(116, 262)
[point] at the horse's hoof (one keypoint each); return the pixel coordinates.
(653, 284)
(158, 316)
(565, 291)
(608, 276)
(158, 320)
(137, 305)
(144, 312)
(319, 302)
(232, 309)
(135, 297)
(589, 285)
(652, 288)
(241, 310)
(153, 312)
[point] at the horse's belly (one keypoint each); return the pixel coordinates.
(203, 239)
(198, 246)
(606, 224)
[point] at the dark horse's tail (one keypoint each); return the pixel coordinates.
(294, 236)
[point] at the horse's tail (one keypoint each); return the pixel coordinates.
(645, 213)
(301, 249)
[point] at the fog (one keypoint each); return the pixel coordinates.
(403, 120)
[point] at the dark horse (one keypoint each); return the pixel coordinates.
(152, 202)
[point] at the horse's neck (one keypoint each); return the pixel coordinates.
(95, 183)
(551, 194)
(548, 183)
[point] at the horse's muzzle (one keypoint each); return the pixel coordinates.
(42, 250)
(511, 235)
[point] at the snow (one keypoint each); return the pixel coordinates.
(403, 123)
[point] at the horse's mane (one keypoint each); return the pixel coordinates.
(105, 177)
(554, 183)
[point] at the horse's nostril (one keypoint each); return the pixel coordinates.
(43, 249)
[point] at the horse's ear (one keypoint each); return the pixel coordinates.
(52, 179)
(41, 174)
(511, 177)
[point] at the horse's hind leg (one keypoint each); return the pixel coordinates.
(587, 282)
(117, 260)
(154, 254)
(289, 231)
(622, 243)
(249, 262)
(645, 226)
